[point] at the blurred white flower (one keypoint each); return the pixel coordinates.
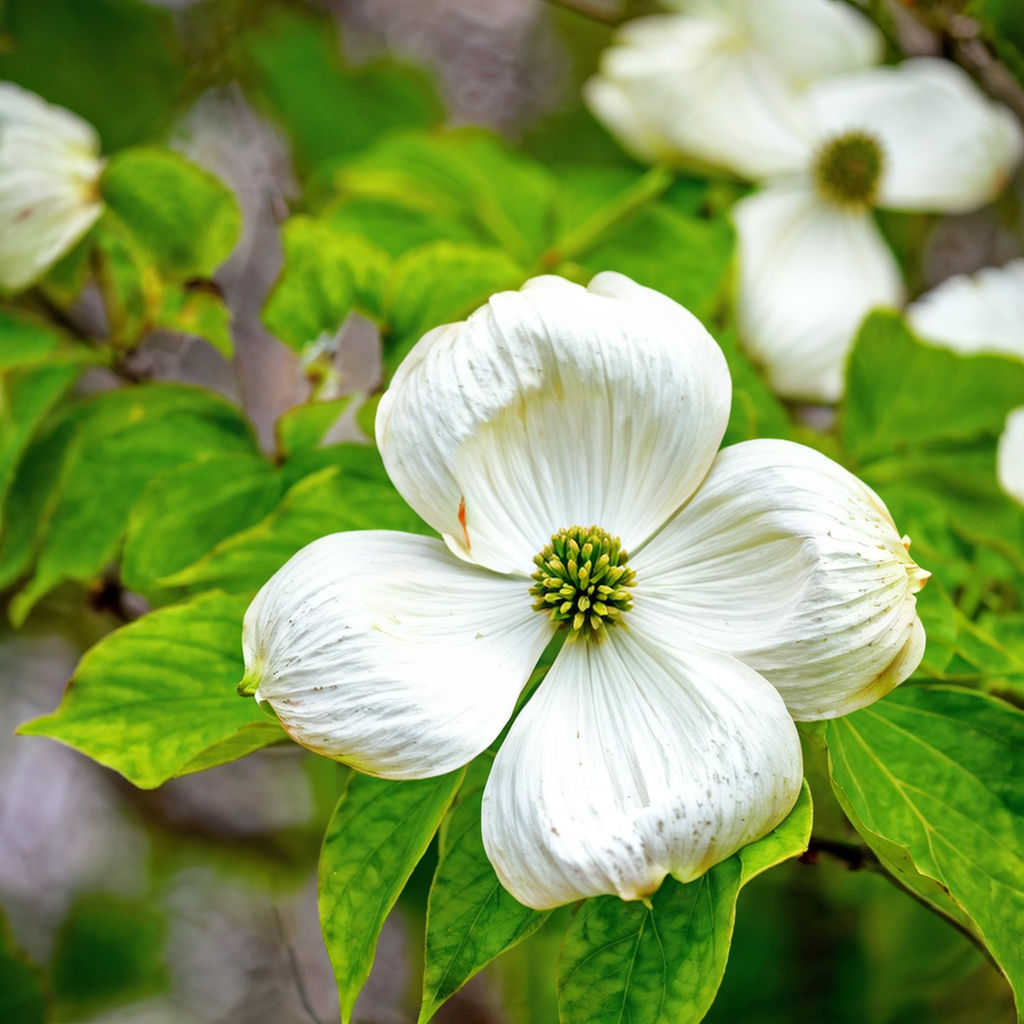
(972, 313)
(1010, 456)
(49, 195)
(719, 81)
(976, 313)
(762, 584)
(919, 136)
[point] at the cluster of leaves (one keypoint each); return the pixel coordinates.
(162, 489)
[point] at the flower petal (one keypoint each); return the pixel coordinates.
(809, 273)
(551, 407)
(972, 313)
(636, 758)
(383, 651)
(788, 562)
(1010, 456)
(49, 168)
(947, 146)
(695, 88)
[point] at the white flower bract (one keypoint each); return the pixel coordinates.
(719, 82)
(49, 197)
(811, 268)
(768, 584)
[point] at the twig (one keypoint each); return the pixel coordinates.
(293, 965)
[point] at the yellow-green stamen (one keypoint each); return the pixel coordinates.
(582, 581)
(848, 169)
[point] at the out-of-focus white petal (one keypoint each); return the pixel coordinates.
(972, 313)
(1010, 456)
(382, 650)
(791, 564)
(702, 90)
(551, 407)
(810, 38)
(947, 146)
(49, 168)
(636, 758)
(809, 272)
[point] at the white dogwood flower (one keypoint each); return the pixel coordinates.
(919, 136)
(49, 173)
(979, 313)
(563, 442)
(719, 80)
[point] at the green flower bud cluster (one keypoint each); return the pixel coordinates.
(582, 581)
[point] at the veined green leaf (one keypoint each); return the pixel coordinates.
(901, 392)
(326, 273)
(930, 777)
(394, 227)
(663, 964)
(25, 342)
(184, 218)
(199, 312)
(183, 513)
(350, 492)
(377, 835)
(471, 919)
(110, 447)
(467, 176)
(157, 698)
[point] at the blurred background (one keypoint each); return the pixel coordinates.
(196, 902)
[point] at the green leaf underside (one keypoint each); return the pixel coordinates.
(901, 392)
(471, 919)
(350, 493)
(157, 698)
(931, 779)
(84, 478)
(662, 965)
(377, 835)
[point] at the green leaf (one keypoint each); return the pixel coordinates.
(441, 283)
(115, 62)
(113, 445)
(153, 699)
(901, 392)
(663, 964)
(471, 919)
(377, 835)
(183, 513)
(393, 227)
(328, 109)
(22, 995)
(930, 777)
(109, 951)
(26, 396)
(183, 217)
(686, 258)
(351, 492)
(1002, 24)
(25, 342)
(325, 273)
(303, 427)
(467, 176)
(201, 312)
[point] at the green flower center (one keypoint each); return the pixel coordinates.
(582, 581)
(848, 169)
